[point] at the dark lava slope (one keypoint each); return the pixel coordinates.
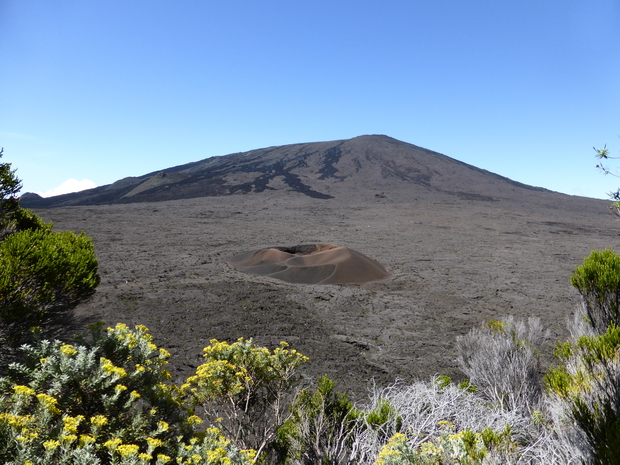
(367, 165)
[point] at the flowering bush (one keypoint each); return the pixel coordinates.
(106, 400)
(245, 389)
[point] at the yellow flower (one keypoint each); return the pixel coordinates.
(120, 388)
(162, 459)
(213, 430)
(68, 438)
(23, 391)
(99, 420)
(51, 444)
(27, 435)
(17, 421)
(71, 423)
(110, 369)
(120, 327)
(162, 426)
(49, 403)
(154, 443)
(217, 454)
(68, 350)
(194, 420)
(86, 439)
(249, 453)
(112, 443)
(128, 450)
(131, 341)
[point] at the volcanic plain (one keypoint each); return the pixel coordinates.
(461, 245)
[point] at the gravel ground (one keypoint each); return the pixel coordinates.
(455, 262)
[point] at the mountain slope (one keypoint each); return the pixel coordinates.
(366, 165)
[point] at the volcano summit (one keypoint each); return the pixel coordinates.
(363, 167)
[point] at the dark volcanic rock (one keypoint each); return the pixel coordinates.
(320, 170)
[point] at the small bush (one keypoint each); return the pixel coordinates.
(502, 360)
(246, 390)
(462, 447)
(42, 272)
(587, 383)
(423, 410)
(598, 282)
(320, 428)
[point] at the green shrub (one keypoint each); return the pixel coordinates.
(42, 272)
(588, 384)
(598, 282)
(320, 428)
(10, 185)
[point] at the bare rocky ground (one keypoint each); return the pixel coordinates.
(454, 263)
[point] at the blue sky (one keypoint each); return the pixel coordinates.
(103, 90)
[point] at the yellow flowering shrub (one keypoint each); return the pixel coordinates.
(106, 400)
(245, 389)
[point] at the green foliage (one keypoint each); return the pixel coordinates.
(320, 428)
(24, 219)
(43, 272)
(382, 413)
(245, 389)
(497, 326)
(10, 185)
(588, 382)
(598, 282)
(106, 400)
(464, 447)
(13, 218)
(443, 381)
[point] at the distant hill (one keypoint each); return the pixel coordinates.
(364, 166)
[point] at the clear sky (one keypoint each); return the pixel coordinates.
(100, 90)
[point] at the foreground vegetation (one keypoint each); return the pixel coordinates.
(108, 398)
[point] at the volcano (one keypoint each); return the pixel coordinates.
(363, 167)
